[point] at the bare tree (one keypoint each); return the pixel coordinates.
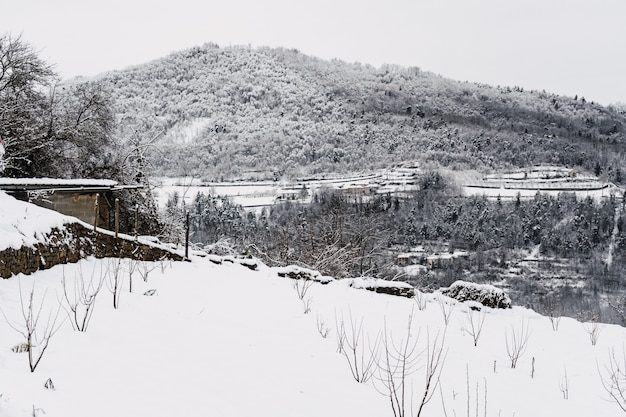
(131, 267)
(164, 263)
(36, 333)
(435, 357)
(144, 268)
(359, 353)
(613, 378)
(555, 321)
(322, 328)
(590, 318)
(474, 324)
(399, 361)
(368, 241)
(477, 395)
(421, 299)
(302, 286)
(114, 279)
(564, 384)
(82, 299)
(335, 258)
(553, 308)
(446, 307)
(593, 329)
(516, 342)
(396, 364)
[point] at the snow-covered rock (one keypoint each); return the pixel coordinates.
(486, 294)
(381, 286)
(298, 272)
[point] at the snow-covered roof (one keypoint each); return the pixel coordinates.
(456, 254)
(57, 181)
(84, 184)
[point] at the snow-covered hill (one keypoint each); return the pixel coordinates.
(241, 113)
(220, 336)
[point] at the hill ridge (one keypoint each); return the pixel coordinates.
(265, 113)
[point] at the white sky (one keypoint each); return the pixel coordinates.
(572, 47)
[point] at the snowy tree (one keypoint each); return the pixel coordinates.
(48, 129)
(23, 105)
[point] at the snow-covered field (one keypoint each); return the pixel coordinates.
(399, 181)
(248, 194)
(223, 340)
(548, 180)
(220, 339)
(255, 194)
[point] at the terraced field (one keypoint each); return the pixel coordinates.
(526, 182)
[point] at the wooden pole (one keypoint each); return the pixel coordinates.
(136, 221)
(187, 235)
(117, 217)
(96, 213)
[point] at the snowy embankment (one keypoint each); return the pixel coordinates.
(221, 339)
(24, 224)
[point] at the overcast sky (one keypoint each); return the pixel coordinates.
(572, 47)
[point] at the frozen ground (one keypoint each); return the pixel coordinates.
(225, 340)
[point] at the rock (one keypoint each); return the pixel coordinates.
(381, 286)
(49, 384)
(485, 294)
(251, 264)
(297, 272)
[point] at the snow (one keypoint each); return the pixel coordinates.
(369, 282)
(298, 272)
(23, 224)
(60, 182)
(258, 194)
(527, 182)
(528, 193)
(187, 132)
(247, 194)
(220, 339)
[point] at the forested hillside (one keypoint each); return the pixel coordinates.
(236, 112)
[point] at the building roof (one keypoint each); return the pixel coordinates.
(58, 184)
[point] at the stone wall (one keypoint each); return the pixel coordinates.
(73, 243)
